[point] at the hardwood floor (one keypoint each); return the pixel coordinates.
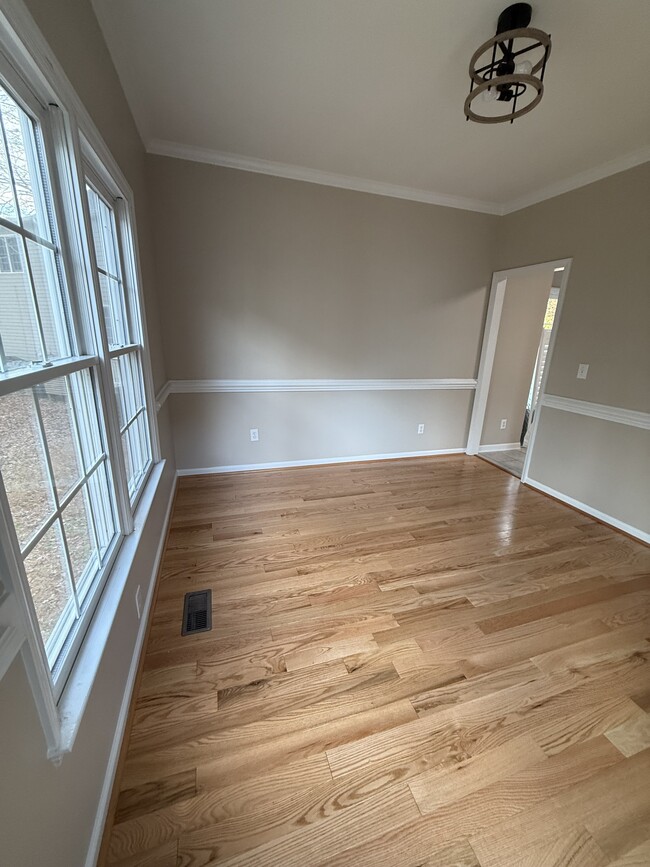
(418, 663)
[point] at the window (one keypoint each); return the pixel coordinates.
(75, 436)
(124, 338)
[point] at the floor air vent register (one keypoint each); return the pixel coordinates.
(197, 612)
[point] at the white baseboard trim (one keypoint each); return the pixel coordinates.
(589, 510)
(498, 447)
(111, 769)
(314, 462)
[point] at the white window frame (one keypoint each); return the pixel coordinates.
(98, 177)
(35, 78)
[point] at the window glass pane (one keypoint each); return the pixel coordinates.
(105, 242)
(33, 325)
(23, 464)
(20, 141)
(128, 463)
(79, 535)
(114, 314)
(8, 208)
(11, 254)
(19, 336)
(58, 423)
(137, 452)
(99, 492)
(127, 379)
(14, 253)
(83, 388)
(47, 574)
(46, 286)
(101, 219)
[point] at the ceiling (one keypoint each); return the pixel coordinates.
(372, 91)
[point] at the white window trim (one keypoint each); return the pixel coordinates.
(26, 52)
(100, 178)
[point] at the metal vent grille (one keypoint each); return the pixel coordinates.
(197, 612)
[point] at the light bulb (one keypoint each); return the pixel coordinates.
(490, 94)
(524, 68)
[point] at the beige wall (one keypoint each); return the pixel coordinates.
(268, 278)
(605, 323)
(212, 430)
(520, 331)
(601, 463)
(606, 313)
(264, 277)
(47, 812)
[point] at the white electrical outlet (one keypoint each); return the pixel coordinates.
(255, 435)
(420, 429)
(583, 370)
(138, 601)
(504, 423)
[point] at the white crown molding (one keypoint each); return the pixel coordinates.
(315, 462)
(597, 173)
(598, 410)
(247, 386)
(315, 176)
(589, 510)
(196, 154)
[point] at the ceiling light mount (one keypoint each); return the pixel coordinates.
(507, 71)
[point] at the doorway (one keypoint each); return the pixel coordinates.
(522, 320)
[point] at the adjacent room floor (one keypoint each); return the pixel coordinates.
(511, 460)
(417, 662)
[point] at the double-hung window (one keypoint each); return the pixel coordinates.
(123, 330)
(75, 423)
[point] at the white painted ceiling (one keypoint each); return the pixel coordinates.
(374, 89)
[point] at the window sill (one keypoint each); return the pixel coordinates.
(76, 693)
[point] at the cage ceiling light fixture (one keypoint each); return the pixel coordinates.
(507, 71)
